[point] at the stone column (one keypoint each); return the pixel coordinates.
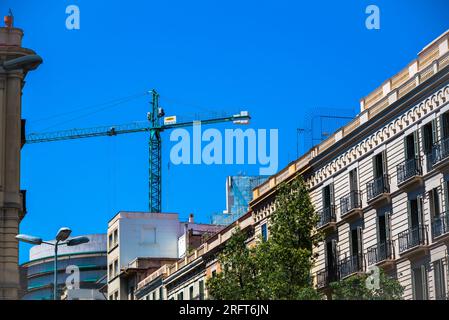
(12, 207)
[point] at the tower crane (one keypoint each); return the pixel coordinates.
(154, 126)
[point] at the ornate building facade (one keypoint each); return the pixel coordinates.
(381, 183)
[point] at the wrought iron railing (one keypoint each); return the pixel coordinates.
(440, 151)
(440, 225)
(409, 169)
(351, 201)
(378, 186)
(327, 215)
(412, 237)
(325, 276)
(350, 265)
(380, 252)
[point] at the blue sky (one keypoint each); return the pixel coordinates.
(287, 62)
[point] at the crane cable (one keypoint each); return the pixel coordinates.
(103, 106)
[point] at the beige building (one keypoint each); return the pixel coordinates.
(186, 278)
(380, 184)
(15, 62)
(139, 243)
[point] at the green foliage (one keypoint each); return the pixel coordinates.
(355, 288)
(280, 267)
(238, 279)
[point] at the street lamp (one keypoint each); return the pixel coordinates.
(62, 238)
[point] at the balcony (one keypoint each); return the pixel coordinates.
(378, 191)
(324, 277)
(327, 219)
(439, 155)
(440, 226)
(413, 241)
(350, 265)
(381, 254)
(351, 205)
(409, 173)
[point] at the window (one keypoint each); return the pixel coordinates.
(429, 134)
(328, 196)
(419, 283)
(191, 293)
(181, 296)
(264, 232)
(116, 268)
(214, 273)
(440, 280)
(434, 198)
(444, 124)
(111, 271)
(116, 295)
(115, 237)
(380, 164)
(415, 209)
(111, 242)
(161, 293)
(353, 186)
(331, 259)
(153, 295)
(411, 148)
(201, 289)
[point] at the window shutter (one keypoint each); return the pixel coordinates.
(434, 132)
(387, 224)
(360, 241)
(384, 162)
(424, 282)
(375, 173)
(446, 196)
(419, 203)
(331, 194)
(406, 147)
(416, 143)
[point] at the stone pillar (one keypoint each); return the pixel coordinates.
(12, 207)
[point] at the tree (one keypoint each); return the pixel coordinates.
(286, 259)
(356, 288)
(238, 279)
(278, 268)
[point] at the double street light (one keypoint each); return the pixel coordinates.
(62, 238)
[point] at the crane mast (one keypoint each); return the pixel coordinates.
(153, 126)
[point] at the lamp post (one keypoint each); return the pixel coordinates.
(62, 238)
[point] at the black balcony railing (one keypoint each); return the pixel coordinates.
(350, 265)
(377, 187)
(440, 225)
(440, 151)
(327, 215)
(351, 201)
(325, 276)
(411, 238)
(409, 169)
(380, 252)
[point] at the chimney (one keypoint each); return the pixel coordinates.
(191, 218)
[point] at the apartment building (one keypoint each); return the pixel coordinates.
(139, 243)
(380, 184)
(186, 278)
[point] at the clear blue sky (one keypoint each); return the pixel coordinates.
(284, 61)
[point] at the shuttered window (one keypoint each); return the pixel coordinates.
(440, 280)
